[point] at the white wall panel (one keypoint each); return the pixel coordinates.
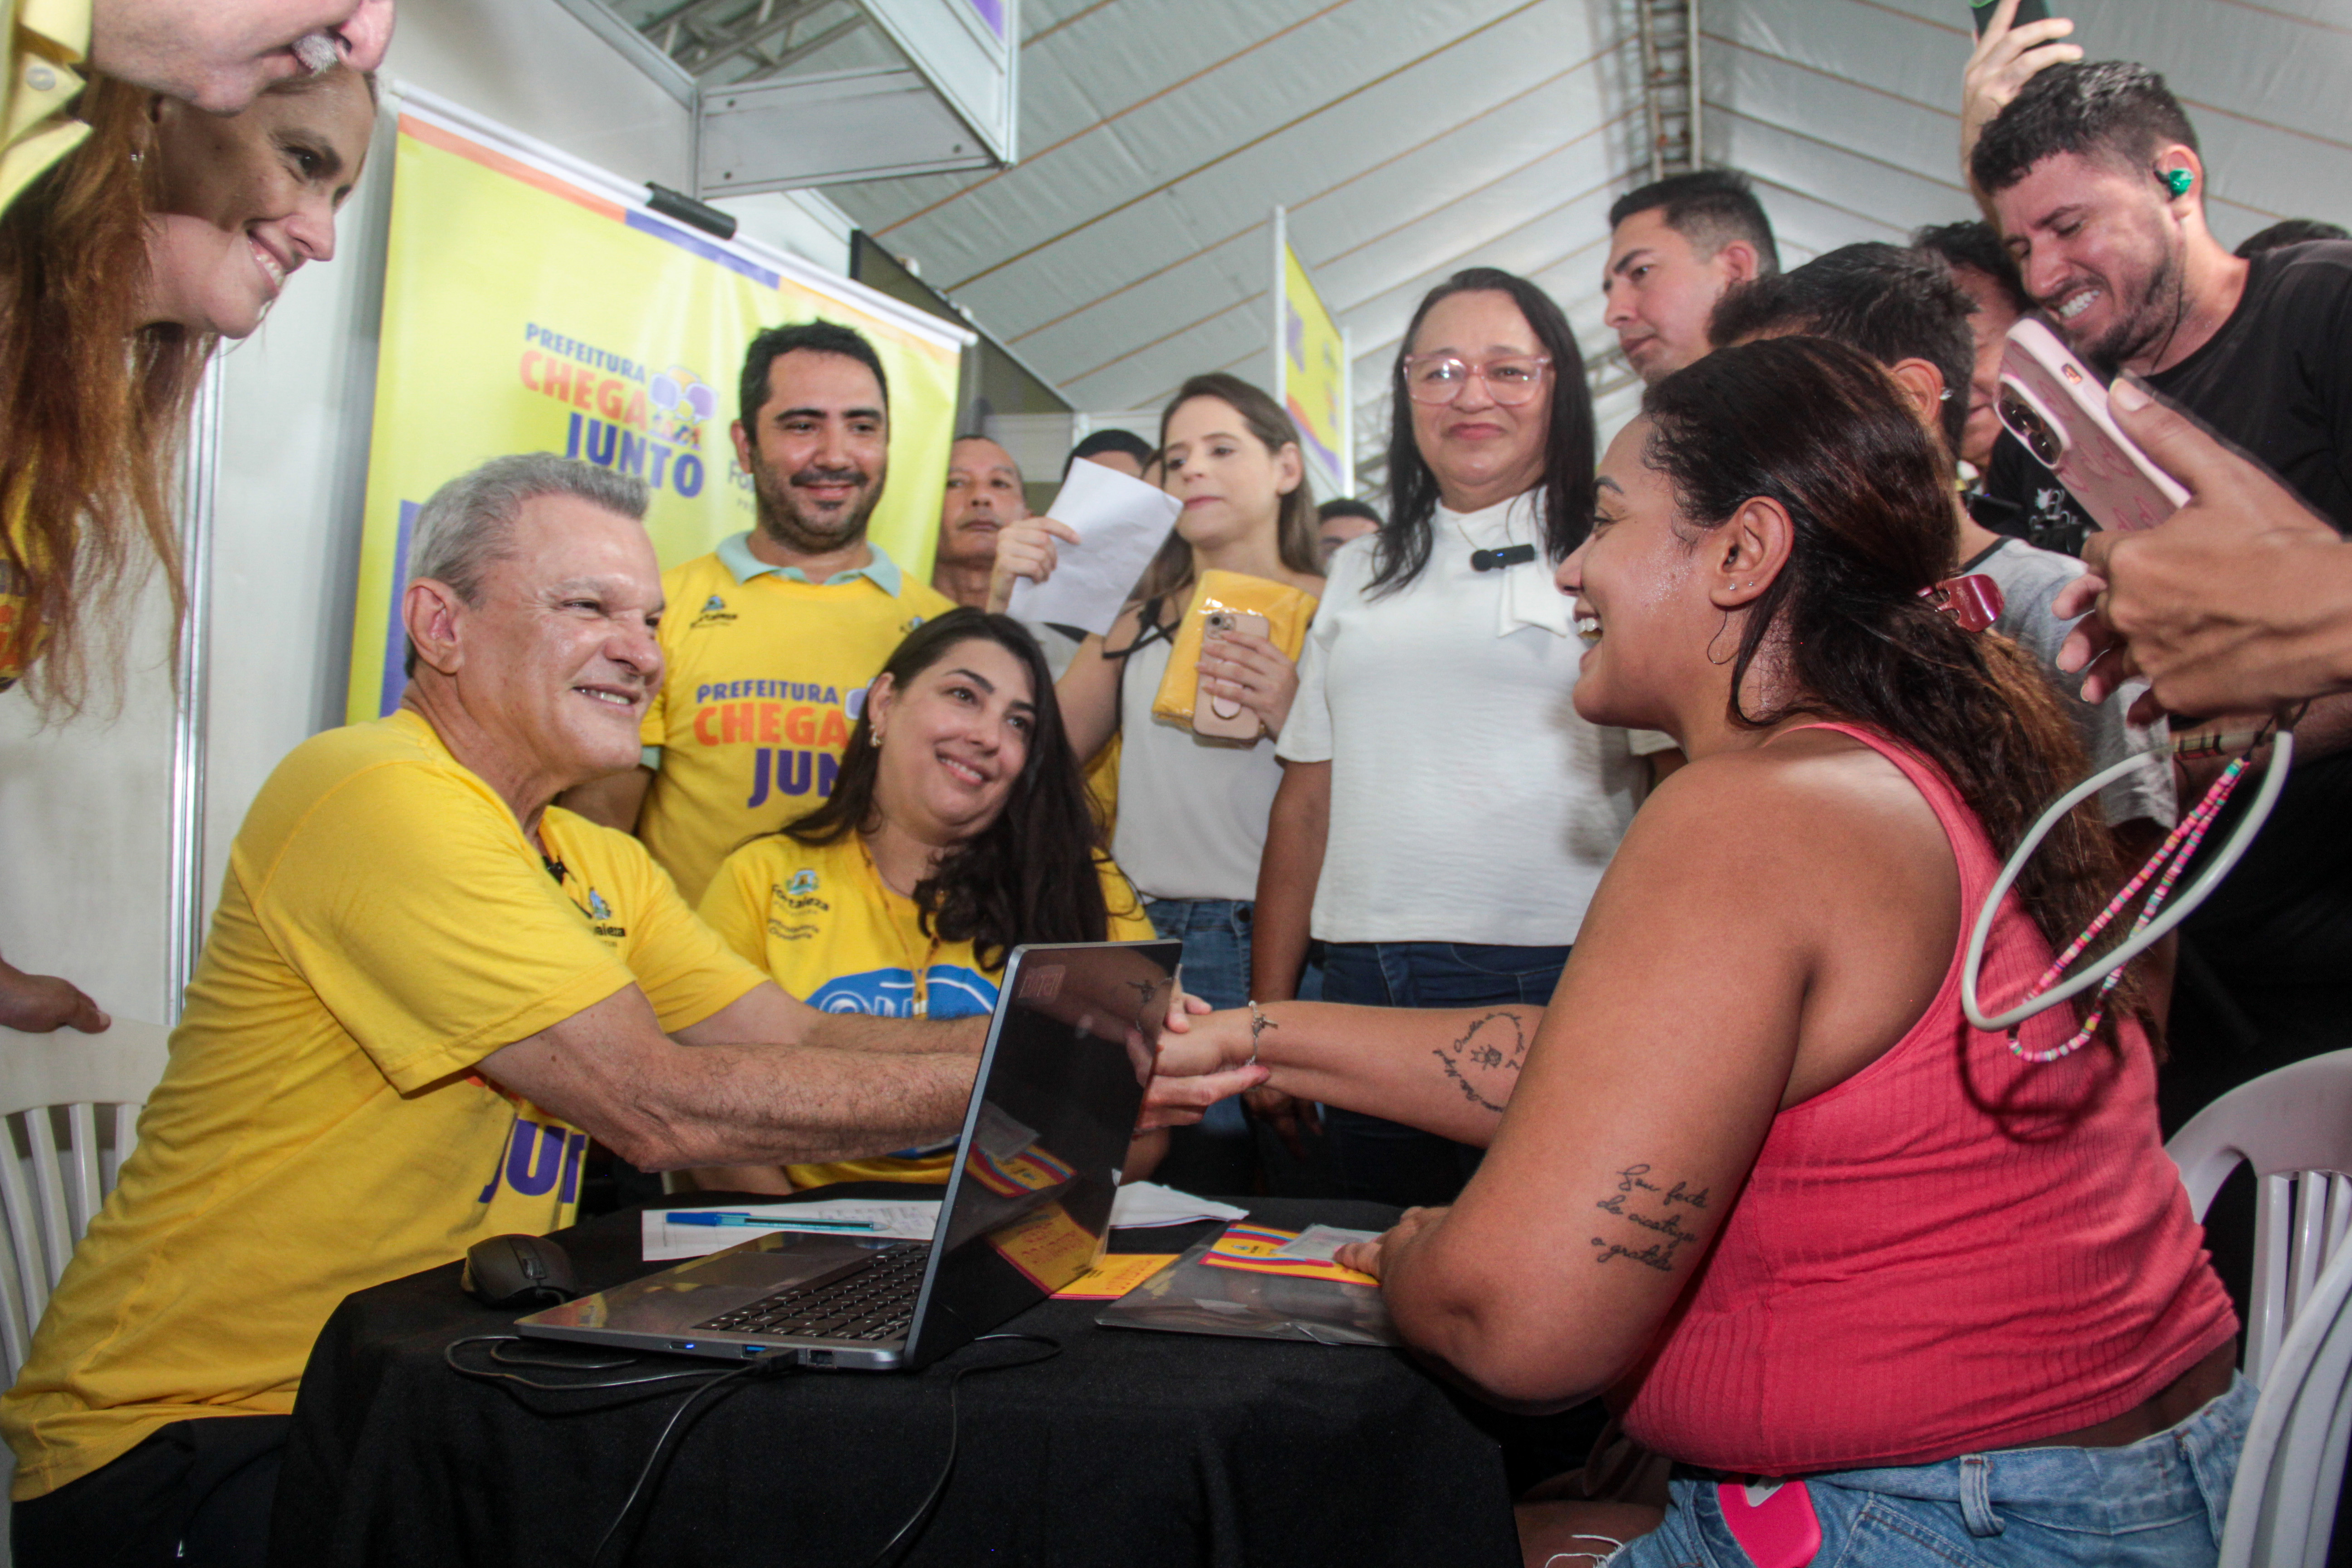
(83, 833)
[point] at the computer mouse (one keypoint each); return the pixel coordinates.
(517, 1271)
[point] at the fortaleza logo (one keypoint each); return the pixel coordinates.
(796, 730)
(641, 422)
(600, 916)
(714, 613)
(802, 881)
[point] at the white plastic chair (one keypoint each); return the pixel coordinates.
(2294, 1127)
(70, 1103)
(2282, 1504)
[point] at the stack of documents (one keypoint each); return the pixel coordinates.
(1144, 1205)
(695, 1233)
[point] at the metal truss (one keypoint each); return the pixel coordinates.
(1669, 83)
(732, 43)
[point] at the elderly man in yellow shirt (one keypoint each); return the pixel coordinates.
(216, 54)
(425, 990)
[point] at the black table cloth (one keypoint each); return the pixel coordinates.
(1128, 1448)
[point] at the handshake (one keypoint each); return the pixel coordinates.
(1204, 1056)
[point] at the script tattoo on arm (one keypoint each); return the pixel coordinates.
(1484, 1062)
(1655, 1212)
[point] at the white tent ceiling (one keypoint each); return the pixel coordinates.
(1128, 249)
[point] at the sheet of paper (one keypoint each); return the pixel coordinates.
(1114, 1276)
(1142, 1205)
(912, 1220)
(1121, 522)
(1321, 1243)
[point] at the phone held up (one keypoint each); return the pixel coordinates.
(1222, 717)
(2027, 11)
(2053, 404)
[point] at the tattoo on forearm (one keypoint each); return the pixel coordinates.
(1484, 1062)
(1652, 1210)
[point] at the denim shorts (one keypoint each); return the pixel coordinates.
(2156, 1503)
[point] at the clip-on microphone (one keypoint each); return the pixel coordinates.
(1495, 560)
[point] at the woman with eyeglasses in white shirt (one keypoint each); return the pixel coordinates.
(1444, 815)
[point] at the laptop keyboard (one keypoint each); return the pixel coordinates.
(873, 1302)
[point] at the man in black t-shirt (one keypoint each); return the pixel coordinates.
(2093, 175)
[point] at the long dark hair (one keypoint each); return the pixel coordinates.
(1818, 428)
(1402, 549)
(1296, 525)
(1029, 876)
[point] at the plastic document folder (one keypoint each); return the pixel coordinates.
(1233, 1285)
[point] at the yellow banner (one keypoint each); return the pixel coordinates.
(1315, 374)
(527, 308)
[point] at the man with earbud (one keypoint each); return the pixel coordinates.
(2095, 182)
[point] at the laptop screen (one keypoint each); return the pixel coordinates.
(1028, 1204)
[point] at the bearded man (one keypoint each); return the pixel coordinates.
(2098, 187)
(770, 638)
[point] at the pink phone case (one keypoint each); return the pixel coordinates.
(1216, 716)
(2052, 403)
(1773, 1522)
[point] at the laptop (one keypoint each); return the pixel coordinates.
(1025, 1211)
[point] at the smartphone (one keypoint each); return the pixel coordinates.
(2052, 402)
(2027, 11)
(1222, 717)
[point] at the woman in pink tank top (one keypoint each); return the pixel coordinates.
(1756, 1178)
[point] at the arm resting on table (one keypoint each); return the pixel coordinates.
(663, 1103)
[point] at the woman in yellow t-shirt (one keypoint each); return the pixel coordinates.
(958, 828)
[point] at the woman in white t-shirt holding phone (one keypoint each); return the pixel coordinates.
(1444, 815)
(1192, 803)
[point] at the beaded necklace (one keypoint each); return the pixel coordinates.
(2164, 866)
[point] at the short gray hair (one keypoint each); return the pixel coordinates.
(465, 528)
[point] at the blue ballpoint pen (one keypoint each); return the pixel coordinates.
(723, 1216)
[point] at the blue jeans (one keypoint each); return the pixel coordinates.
(1388, 1162)
(1216, 937)
(2156, 1503)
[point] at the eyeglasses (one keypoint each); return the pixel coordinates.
(1440, 378)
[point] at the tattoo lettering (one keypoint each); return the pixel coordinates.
(1627, 1204)
(1484, 1062)
(1682, 1195)
(1660, 1257)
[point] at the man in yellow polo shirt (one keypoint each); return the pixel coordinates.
(771, 638)
(216, 54)
(424, 992)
